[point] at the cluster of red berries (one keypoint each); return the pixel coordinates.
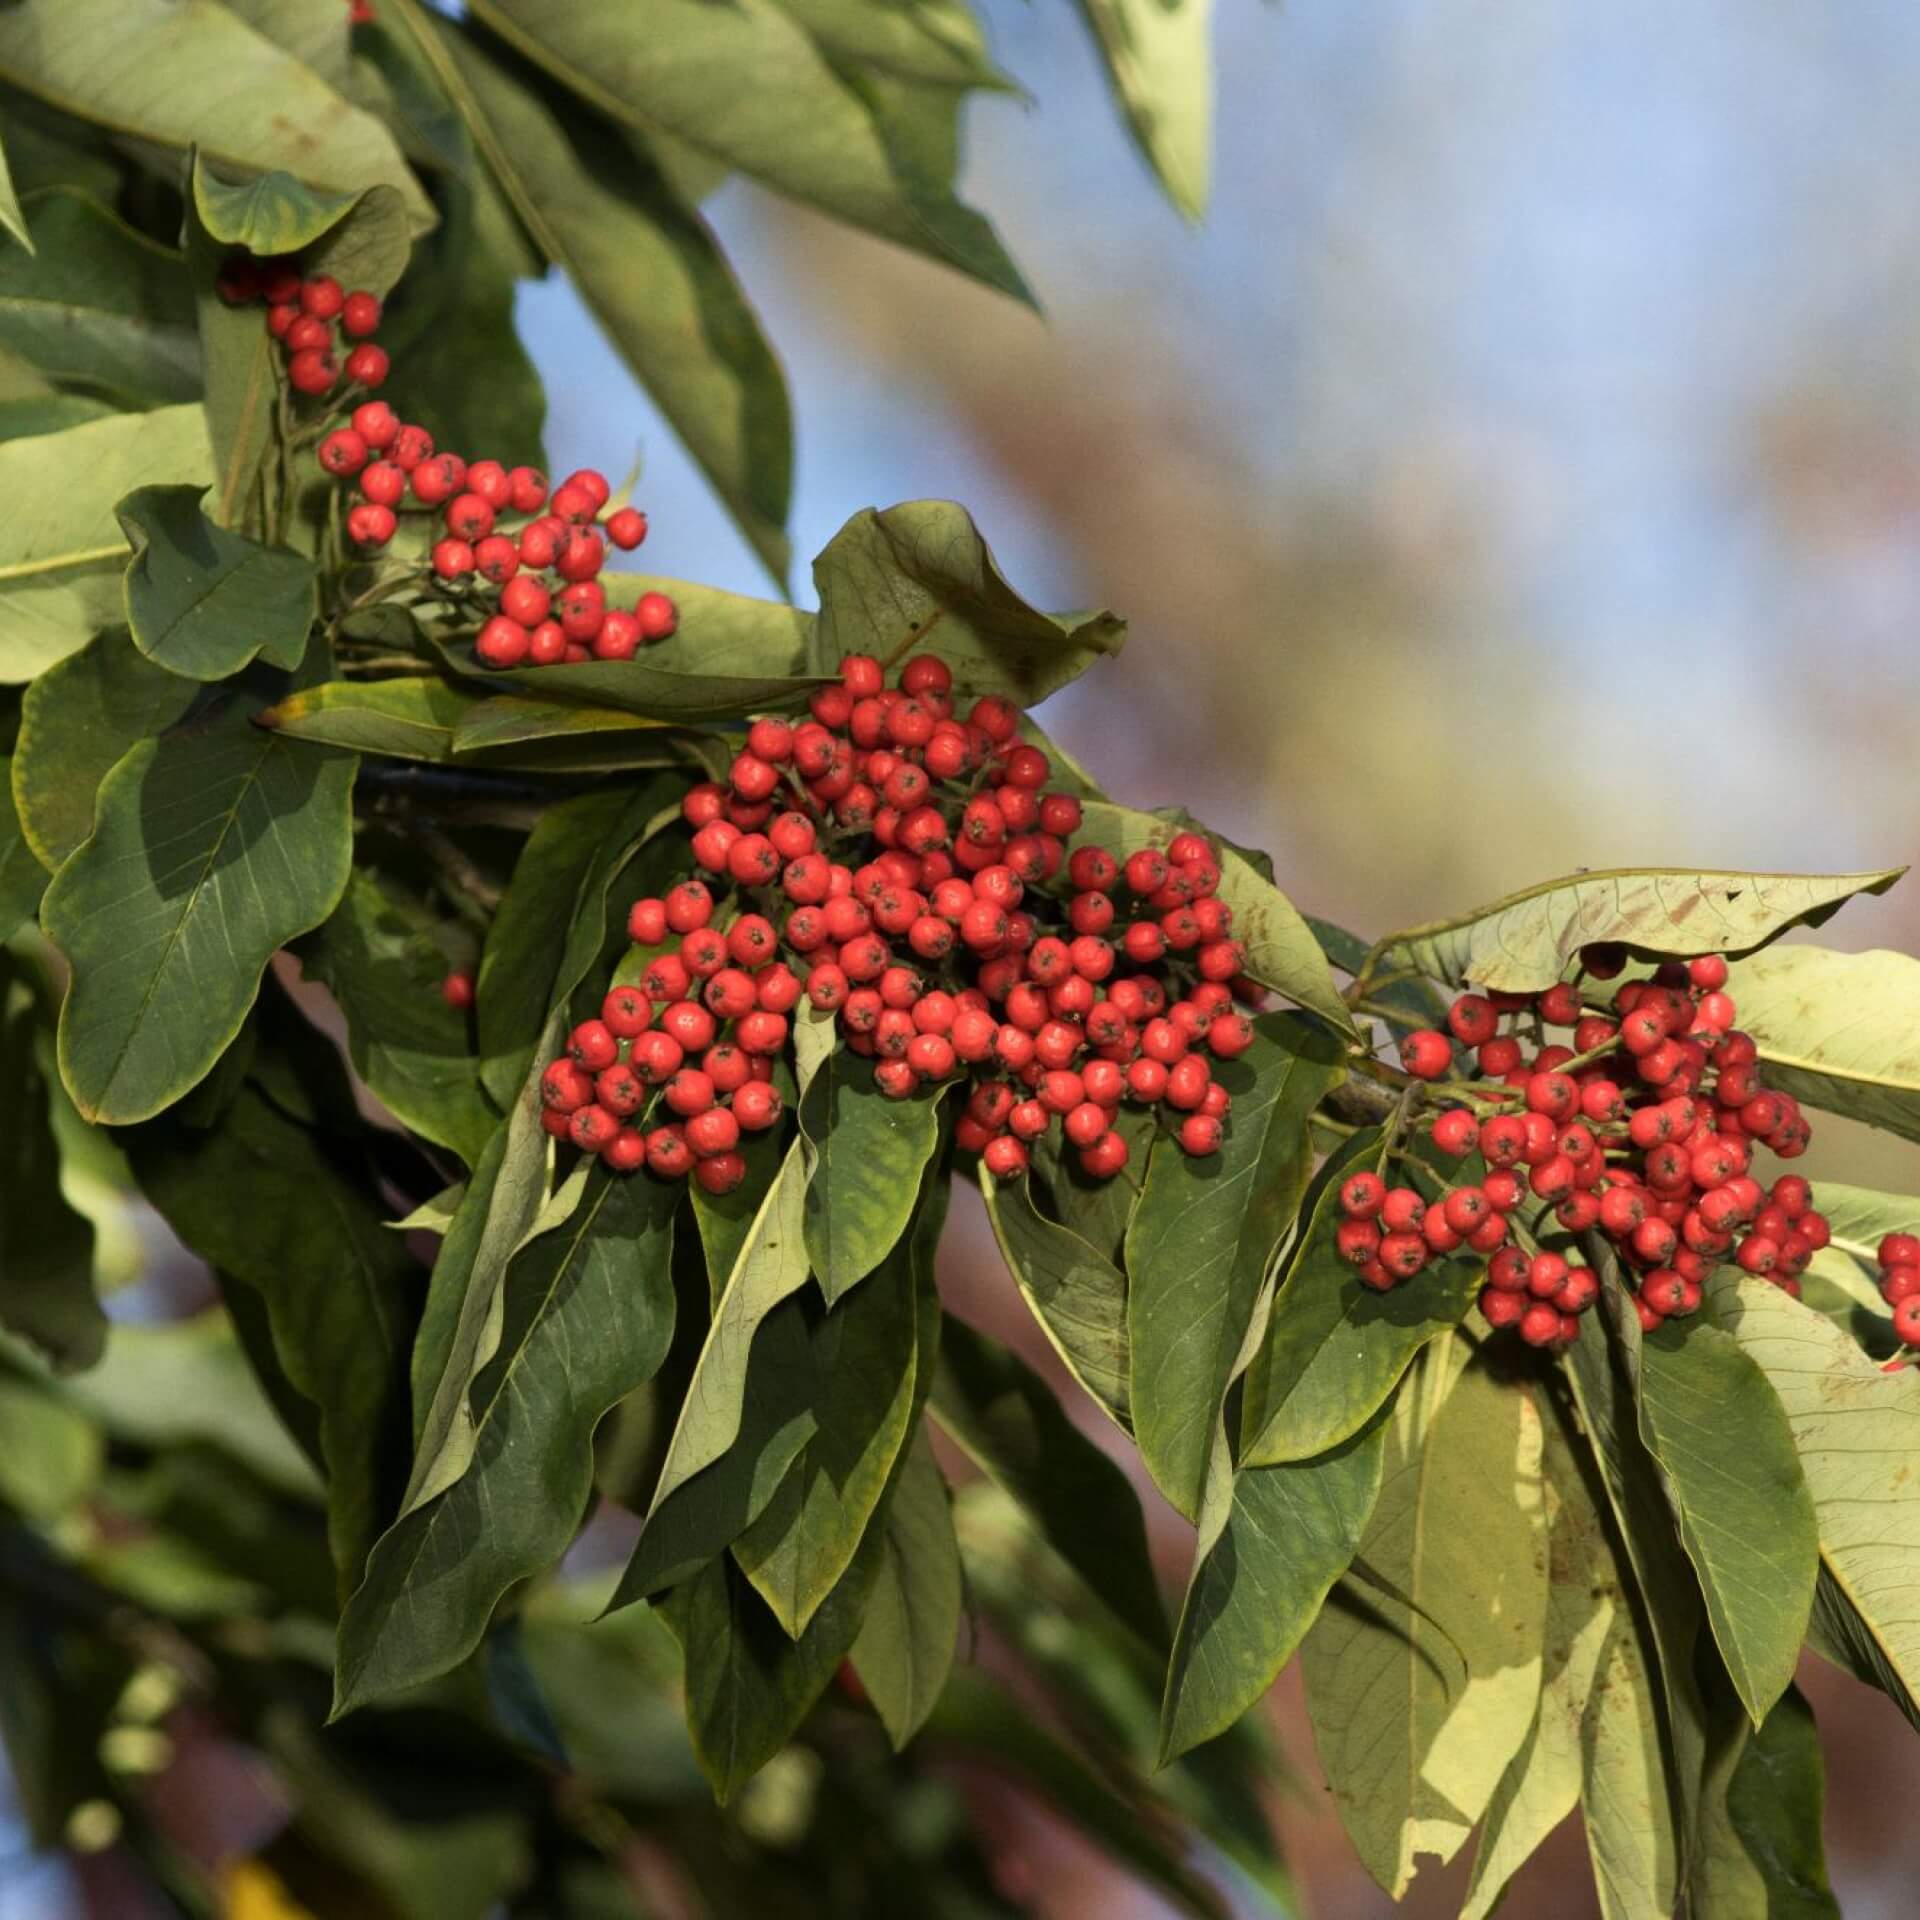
(1900, 1284)
(1388, 1234)
(905, 870)
(544, 604)
(1644, 1129)
(310, 317)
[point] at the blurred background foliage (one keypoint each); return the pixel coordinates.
(1519, 470)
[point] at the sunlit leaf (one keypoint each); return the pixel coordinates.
(919, 578)
(1530, 939)
(1424, 1670)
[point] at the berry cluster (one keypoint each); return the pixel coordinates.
(1900, 1284)
(310, 317)
(1389, 1234)
(906, 870)
(534, 588)
(1643, 1129)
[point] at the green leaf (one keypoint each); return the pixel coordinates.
(1273, 1540)
(1423, 1672)
(1098, 1211)
(1859, 1218)
(358, 236)
(919, 578)
(1008, 1423)
(1595, 1738)
(1202, 1240)
(865, 1361)
(1530, 939)
(748, 1410)
(747, 661)
(50, 1453)
(648, 269)
(1762, 1851)
(10, 215)
(178, 75)
(339, 1289)
(505, 1204)
(76, 721)
(747, 88)
(864, 1154)
(1837, 1030)
(1281, 950)
(508, 720)
(99, 305)
(1076, 1293)
(1600, 1370)
(907, 1638)
(46, 1248)
(935, 41)
(1335, 1350)
(1160, 61)
(62, 553)
(188, 1381)
(587, 1314)
(201, 601)
(748, 1686)
(317, 36)
(725, 1219)
(1857, 1434)
(407, 1044)
(1745, 1514)
(553, 920)
(22, 878)
(409, 718)
(214, 845)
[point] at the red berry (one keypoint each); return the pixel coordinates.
(1502, 1309)
(312, 371)
(322, 296)
(627, 528)
(1540, 1324)
(457, 990)
(359, 315)
(1426, 1055)
(371, 525)
(658, 617)
(1201, 1134)
(383, 483)
(343, 452)
(1004, 1157)
(501, 643)
(368, 365)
